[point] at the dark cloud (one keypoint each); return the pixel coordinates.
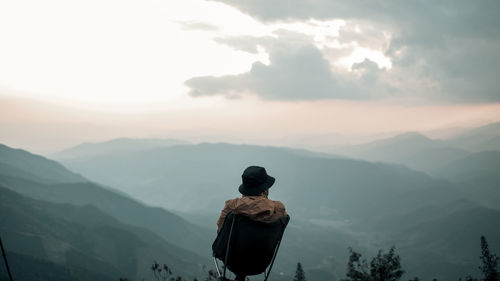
(295, 72)
(450, 17)
(369, 71)
(448, 50)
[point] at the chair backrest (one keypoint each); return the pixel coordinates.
(247, 246)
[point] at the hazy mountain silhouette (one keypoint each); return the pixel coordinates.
(438, 240)
(201, 177)
(115, 145)
(422, 153)
(413, 150)
(48, 185)
(334, 203)
(474, 166)
(483, 190)
(479, 139)
(169, 226)
(477, 175)
(40, 168)
(85, 237)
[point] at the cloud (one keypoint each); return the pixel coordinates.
(246, 43)
(295, 72)
(369, 71)
(446, 51)
(457, 18)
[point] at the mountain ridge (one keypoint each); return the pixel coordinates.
(85, 236)
(110, 201)
(46, 169)
(114, 145)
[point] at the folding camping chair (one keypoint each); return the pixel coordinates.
(246, 246)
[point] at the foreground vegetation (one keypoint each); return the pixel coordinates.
(385, 266)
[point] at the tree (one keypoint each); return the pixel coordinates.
(383, 267)
(161, 273)
(490, 262)
(357, 268)
(489, 268)
(386, 267)
(299, 273)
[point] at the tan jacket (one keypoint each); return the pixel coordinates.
(258, 208)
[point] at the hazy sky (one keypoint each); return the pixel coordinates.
(261, 71)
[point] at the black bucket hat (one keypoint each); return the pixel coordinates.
(255, 181)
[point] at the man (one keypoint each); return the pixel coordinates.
(254, 202)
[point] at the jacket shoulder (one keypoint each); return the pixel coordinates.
(231, 202)
(279, 204)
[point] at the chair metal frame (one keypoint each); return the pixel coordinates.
(5, 260)
(222, 276)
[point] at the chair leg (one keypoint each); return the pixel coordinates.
(227, 249)
(272, 261)
(217, 267)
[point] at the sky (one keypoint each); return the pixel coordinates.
(266, 72)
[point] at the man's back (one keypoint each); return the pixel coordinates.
(254, 203)
(258, 208)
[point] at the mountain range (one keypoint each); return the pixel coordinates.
(115, 145)
(419, 152)
(79, 226)
(85, 238)
(201, 177)
(326, 196)
(108, 211)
